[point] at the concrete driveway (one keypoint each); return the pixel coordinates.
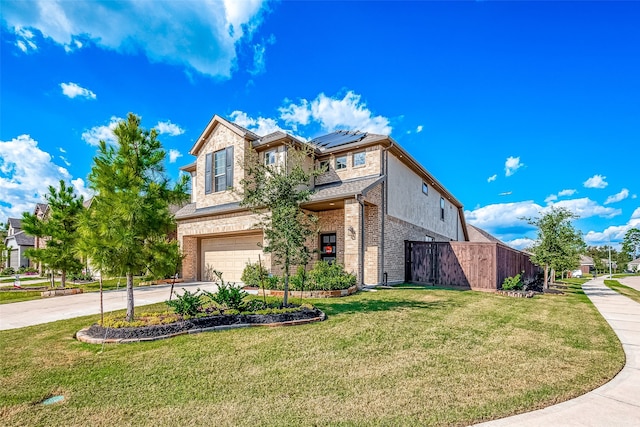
(28, 313)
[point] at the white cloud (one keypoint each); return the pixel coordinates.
(173, 155)
(586, 208)
(81, 188)
(419, 129)
(503, 215)
(492, 178)
(617, 197)
(73, 89)
(512, 165)
(596, 181)
(169, 128)
(551, 198)
(62, 150)
(261, 126)
(25, 40)
(334, 113)
(26, 172)
(202, 36)
(259, 56)
(66, 162)
(505, 193)
(521, 243)
(104, 133)
(568, 192)
(614, 233)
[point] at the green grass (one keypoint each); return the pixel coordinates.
(7, 297)
(409, 356)
(623, 290)
(22, 279)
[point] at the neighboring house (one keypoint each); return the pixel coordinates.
(372, 198)
(479, 235)
(634, 265)
(17, 242)
(586, 264)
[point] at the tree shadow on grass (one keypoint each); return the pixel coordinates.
(381, 301)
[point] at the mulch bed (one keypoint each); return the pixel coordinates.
(156, 331)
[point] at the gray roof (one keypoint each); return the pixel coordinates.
(635, 262)
(42, 206)
(586, 260)
(190, 211)
(15, 223)
(479, 235)
(23, 239)
(343, 189)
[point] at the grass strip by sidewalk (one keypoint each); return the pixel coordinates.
(407, 356)
(623, 289)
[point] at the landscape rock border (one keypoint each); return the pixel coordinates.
(96, 334)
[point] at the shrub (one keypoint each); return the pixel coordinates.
(228, 295)
(252, 273)
(187, 304)
(329, 277)
(512, 283)
(9, 271)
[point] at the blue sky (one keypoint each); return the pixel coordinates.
(513, 106)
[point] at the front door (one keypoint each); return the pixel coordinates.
(328, 247)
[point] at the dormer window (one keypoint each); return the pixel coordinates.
(341, 162)
(275, 157)
(359, 159)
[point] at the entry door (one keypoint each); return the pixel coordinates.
(328, 247)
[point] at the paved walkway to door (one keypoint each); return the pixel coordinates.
(617, 403)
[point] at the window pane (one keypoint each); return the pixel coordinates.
(269, 157)
(220, 162)
(425, 188)
(359, 159)
(221, 183)
(341, 162)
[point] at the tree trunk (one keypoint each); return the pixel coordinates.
(63, 279)
(129, 297)
(285, 300)
(101, 303)
(546, 276)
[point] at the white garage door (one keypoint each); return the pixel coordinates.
(230, 255)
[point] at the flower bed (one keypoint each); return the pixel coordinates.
(97, 334)
(304, 294)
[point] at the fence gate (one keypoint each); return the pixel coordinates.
(421, 262)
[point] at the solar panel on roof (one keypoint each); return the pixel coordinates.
(337, 138)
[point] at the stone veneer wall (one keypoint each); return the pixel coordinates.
(371, 166)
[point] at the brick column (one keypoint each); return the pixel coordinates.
(190, 261)
(352, 236)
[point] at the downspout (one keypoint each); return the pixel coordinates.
(361, 251)
(384, 164)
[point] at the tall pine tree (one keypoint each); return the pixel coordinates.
(127, 225)
(59, 228)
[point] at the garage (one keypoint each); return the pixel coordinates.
(230, 254)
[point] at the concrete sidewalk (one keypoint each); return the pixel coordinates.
(616, 403)
(631, 281)
(28, 313)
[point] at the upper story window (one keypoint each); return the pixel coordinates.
(425, 188)
(218, 171)
(359, 159)
(341, 162)
(442, 208)
(275, 157)
(324, 166)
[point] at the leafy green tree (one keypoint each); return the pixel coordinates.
(631, 243)
(559, 244)
(127, 225)
(4, 256)
(276, 193)
(60, 229)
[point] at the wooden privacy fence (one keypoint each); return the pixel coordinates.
(479, 266)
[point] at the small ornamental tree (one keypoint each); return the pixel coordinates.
(276, 192)
(127, 225)
(558, 245)
(60, 229)
(631, 243)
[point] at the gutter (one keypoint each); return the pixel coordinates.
(384, 164)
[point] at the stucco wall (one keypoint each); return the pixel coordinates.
(407, 202)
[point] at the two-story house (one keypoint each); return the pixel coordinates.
(17, 243)
(372, 197)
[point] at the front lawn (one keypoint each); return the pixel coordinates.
(22, 295)
(623, 290)
(404, 356)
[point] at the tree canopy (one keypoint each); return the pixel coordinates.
(126, 227)
(559, 244)
(59, 228)
(631, 243)
(276, 192)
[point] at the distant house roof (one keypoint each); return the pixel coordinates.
(22, 238)
(15, 223)
(479, 235)
(190, 210)
(634, 262)
(586, 260)
(42, 206)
